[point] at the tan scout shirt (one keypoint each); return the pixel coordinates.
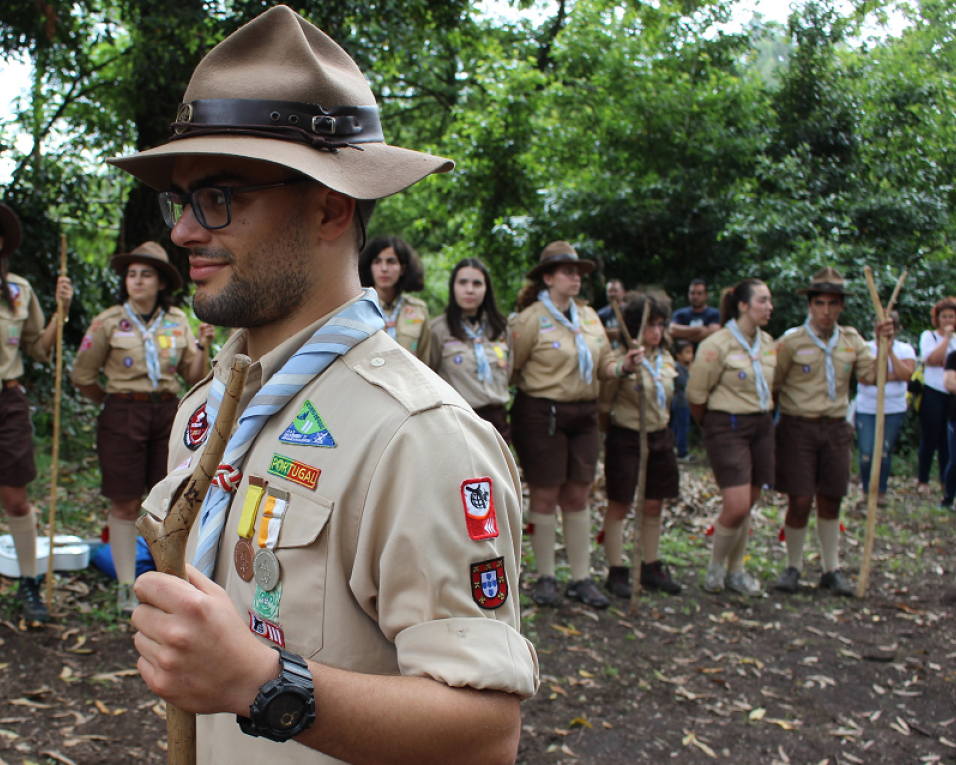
(115, 345)
(376, 560)
(544, 357)
(454, 360)
(723, 376)
(802, 373)
(21, 328)
(624, 401)
(412, 329)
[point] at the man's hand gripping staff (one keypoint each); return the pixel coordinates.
(167, 538)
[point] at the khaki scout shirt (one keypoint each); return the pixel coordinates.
(544, 356)
(454, 361)
(377, 559)
(723, 375)
(624, 402)
(115, 345)
(412, 330)
(21, 327)
(802, 372)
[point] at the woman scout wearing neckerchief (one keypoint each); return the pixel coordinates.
(469, 348)
(729, 393)
(622, 451)
(141, 345)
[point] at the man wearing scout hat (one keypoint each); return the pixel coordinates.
(813, 438)
(379, 512)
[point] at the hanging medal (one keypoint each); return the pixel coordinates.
(266, 564)
(244, 553)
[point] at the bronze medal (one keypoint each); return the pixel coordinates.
(243, 556)
(266, 568)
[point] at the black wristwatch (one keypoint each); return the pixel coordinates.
(285, 707)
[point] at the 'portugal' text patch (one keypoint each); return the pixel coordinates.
(478, 500)
(295, 471)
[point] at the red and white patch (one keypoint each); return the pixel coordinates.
(197, 428)
(124, 325)
(478, 501)
(489, 584)
(86, 343)
(266, 629)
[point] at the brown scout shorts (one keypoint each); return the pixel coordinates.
(17, 467)
(739, 448)
(569, 454)
(132, 439)
(622, 457)
(817, 456)
(497, 415)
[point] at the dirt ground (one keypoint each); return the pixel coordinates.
(806, 679)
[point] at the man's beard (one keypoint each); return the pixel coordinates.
(273, 288)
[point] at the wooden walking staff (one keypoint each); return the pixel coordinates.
(57, 396)
(167, 539)
(876, 461)
(642, 467)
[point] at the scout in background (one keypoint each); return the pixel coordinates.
(558, 350)
(21, 329)
(469, 347)
(934, 347)
(729, 393)
(393, 268)
(622, 449)
(680, 410)
(142, 345)
(814, 364)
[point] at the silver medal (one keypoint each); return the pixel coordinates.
(266, 568)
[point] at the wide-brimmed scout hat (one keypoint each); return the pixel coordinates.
(152, 254)
(557, 254)
(10, 229)
(282, 91)
(827, 280)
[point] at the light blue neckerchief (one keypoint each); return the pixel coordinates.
(481, 358)
(828, 349)
(763, 390)
(152, 353)
(390, 321)
(585, 360)
(655, 373)
(339, 335)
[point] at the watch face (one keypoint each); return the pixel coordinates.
(284, 711)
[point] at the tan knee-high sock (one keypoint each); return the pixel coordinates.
(735, 561)
(795, 539)
(724, 541)
(123, 547)
(542, 541)
(829, 534)
(650, 537)
(23, 529)
(614, 542)
(577, 541)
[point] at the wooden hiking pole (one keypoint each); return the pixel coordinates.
(167, 539)
(642, 467)
(57, 396)
(876, 462)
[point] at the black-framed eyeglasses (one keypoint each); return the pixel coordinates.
(212, 205)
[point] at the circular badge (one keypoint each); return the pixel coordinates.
(806, 368)
(128, 362)
(243, 557)
(742, 375)
(555, 344)
(124, 325)
(457, 359)
(266, 568)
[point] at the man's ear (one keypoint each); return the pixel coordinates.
(335, 212)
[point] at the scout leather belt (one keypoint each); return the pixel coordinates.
(11, 384)
(816, 419)
(151, 398)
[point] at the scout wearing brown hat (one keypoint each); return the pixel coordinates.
(143, 345)
(21, 329)
(559, 351)
(367, 521)
(813, 438)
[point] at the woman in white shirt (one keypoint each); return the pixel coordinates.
(902, 362)
(934, 345)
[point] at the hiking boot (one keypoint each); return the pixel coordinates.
(688, 459)
(126, 600)
(587, 591)
(545, 591)
(788, 581)
(744, 583)
(835, 582)
(655, 576)
(946, 503)
(714, 578)
(28, 595)
(619, 581)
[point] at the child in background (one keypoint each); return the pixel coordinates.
(680, 411)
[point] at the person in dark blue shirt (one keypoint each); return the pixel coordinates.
(698, 321)
(615, 296)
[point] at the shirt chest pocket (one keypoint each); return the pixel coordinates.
(453, 353)
(12, 321)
